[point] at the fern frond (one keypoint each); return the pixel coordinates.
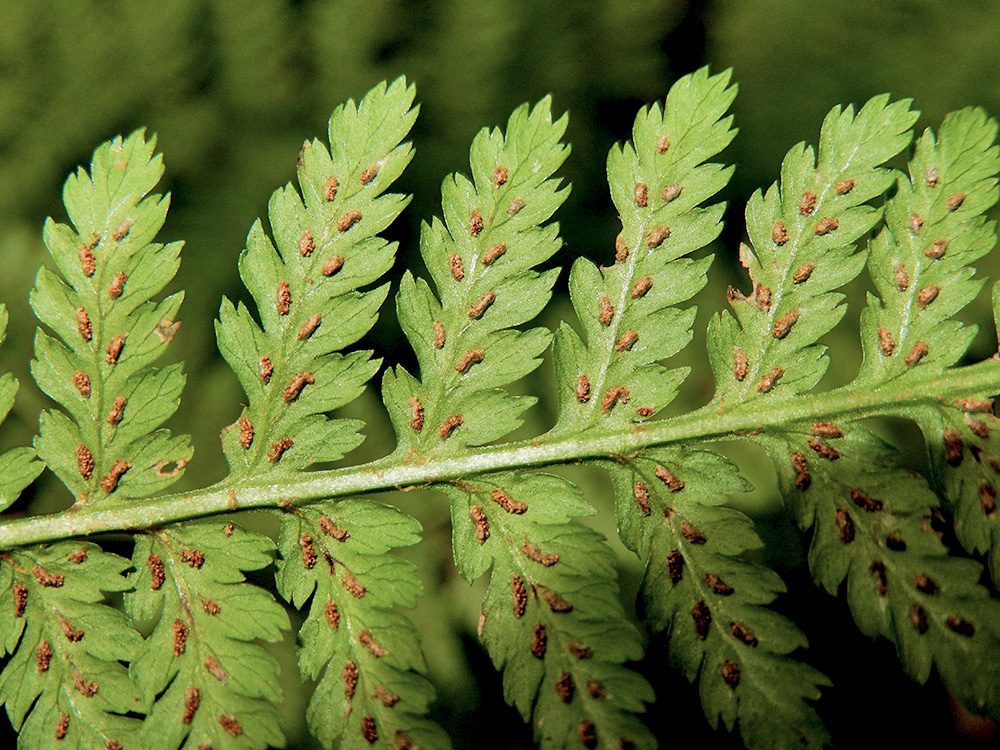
(64, 681)
(18, 467)
(364, 654)
(711, 602)
(305, 286)
(201, 679)
(108, 332)
(480, 259)
(658, 183)
(552, 618)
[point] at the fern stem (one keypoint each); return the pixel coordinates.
(709, 423)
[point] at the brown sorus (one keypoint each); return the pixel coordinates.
(587, 733)
(180, 637)
(348, 220)
(779, 235)
(84, 462)
(641, 493)
(211, 607)
(349, 582)
(675, 565)
(955, 200)
(539, 642)
(493, 253)
(878, 573)
(763, 296)
(641, 286)
(895, 543)
(230, 724)
(369, 174)
(72, 634)
(264, 369)
(656, 237)
(109, 482)
(902, 278)
(449, 425)
(803, 273)
(295, 386)
(499, 176)
(156, 572)
(368, 641)
(308, 551)
(987, 498)
(306, 245)
(478, 308)
(86, 689)
(662, 144)
(515, 205)
(113, 745)
(311, 324)
(925, 584)
(114, 349)
(967, 404)
(802, 477)
(332, 266)
(645, 411)
(565, 687)
(44, 654)
(278, 448)
(117, 409)
(350, 677)
(826, 429)
(668, 478)
(520, 596)
(927, 295)
(743, 634)
(88, 262)
(730, 674)
(83, 324)
(740, 364)
(385, 697)
(330, 188)
(824, 450)
(845, 524)
(508, 503)
(978, 427)
(79, 556)
(438, 334)
(917, 353)
(626, 340)
(702, 617)
(284, 298)
(919, 618)
(582, 389)
(20, 598)
(579, 650)
(825, 226)
(62, 726)
(885, 341)
(475, 223)
(953, 447)
(937, 249)
(915, 223)
(192, 699)
(807, 204)
(47, 579)
(960, 626)
(717, 585)
(613, 395)
(469, 358)
(555, 602)
(215, 669)
(82, 382)
(621, 249)
(785, 323)
(768, 382)
(671, 191)
(535, 555)
(480, 522)
(607, 311)
(416, 414)
(368, 730)
(843, 187)
(640, 193)
(691, 533)
(193, 557)
(122, 230)
(931, 177)
(246, 432)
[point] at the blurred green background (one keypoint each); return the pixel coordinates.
(232, 88)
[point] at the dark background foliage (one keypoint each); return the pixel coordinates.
(233, 87)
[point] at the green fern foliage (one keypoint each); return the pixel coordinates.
(18, 467)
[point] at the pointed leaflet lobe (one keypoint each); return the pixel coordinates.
(480, 258)
(200, 676)
(802, 234)
(658, 183)
(364, 653)
(18, 467)
(109, 330)
(552, 619)
(305, 287)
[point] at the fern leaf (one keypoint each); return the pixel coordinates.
(200, 676)
(712, 602)
(305, 285)
(364, 653)
(803, 233)
(658, 183)
(64, 681)
(552, 619)
(480, 259)
(18, 467)
(108, 331)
